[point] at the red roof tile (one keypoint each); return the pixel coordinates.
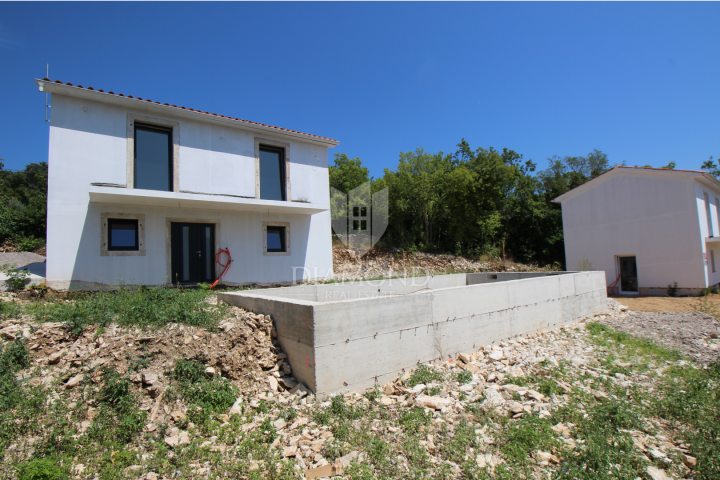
(191, 109)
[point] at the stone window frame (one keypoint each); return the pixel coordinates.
(168, 242)
(269, 223)
(260, 141)
(161, 122)
(104, 252)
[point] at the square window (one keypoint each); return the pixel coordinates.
(123, 234)
(363, 211)
(153, 158)
(356, 212)
(276, 239)
(363, 224)
(356, 224)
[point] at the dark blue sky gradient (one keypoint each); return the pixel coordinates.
(638, 81)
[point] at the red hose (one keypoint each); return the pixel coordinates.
(225, 266)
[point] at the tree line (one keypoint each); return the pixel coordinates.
(475, 202)
(23, 206)
(471, 202)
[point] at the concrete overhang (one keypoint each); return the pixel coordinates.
(712, 239)
(146, 106)
(154, 198)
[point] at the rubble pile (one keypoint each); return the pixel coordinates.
(242, 348)
(349, 264)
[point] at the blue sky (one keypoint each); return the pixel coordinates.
(639, 81)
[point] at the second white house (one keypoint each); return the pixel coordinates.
(647, 228)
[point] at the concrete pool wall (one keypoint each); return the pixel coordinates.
(353, 335)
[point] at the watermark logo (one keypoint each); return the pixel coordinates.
(359, 218)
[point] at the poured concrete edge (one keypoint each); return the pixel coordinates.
(354, 335)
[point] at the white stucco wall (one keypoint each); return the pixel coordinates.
(88, 144)
(657, 216)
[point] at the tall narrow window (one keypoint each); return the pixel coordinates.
(717, 211)
(153, 158)
(712, 260)
(272, 173)
(709, 217)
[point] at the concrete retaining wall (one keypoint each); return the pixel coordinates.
(353, 335)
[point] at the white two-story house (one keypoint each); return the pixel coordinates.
(647, 228)
(143, 192)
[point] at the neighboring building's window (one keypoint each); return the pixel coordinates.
(712, 259)
(272, 173)
(123, 235)
(709, 217)
(153, 158)
(276, 239)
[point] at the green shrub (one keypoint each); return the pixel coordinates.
(527, 436)
(119, 418)
(16, 279)
(464, 377)
(423, 374)
(213, 395)
(414, 418)
(48, 468)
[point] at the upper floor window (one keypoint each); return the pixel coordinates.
(272, 173)
(153, 158)
(709, 216)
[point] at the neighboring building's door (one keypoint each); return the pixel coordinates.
(192, 253)
(628, 275)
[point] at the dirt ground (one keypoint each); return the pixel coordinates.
(664, 304)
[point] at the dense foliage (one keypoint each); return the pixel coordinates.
(23, 205)
(475, 202)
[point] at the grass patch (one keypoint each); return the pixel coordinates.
(148, 307)
(212, 394)
(603, 336)
(526, 436)
(464, 377)
(691, 397)
(119, 418)
(424, 374)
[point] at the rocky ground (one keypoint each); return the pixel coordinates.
(350, 265)
(582, 401)
(695, 334)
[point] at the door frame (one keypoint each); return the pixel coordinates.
(168, 242)
(618, 271)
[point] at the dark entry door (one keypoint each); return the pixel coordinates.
(193, 253)
(628, 274)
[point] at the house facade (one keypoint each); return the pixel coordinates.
(647, 228)
(146, 193)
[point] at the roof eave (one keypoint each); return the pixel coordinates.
(619, 168)
(51, 87)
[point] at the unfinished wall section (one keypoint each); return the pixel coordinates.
(354, 335)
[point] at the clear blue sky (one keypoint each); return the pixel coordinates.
(639, 81)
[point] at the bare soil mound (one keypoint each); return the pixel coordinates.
(349, 264)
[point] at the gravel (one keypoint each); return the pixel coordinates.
(20, 259)
(694, 334)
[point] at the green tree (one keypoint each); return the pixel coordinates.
(23, 205)
(712, 167)
(347, 173)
